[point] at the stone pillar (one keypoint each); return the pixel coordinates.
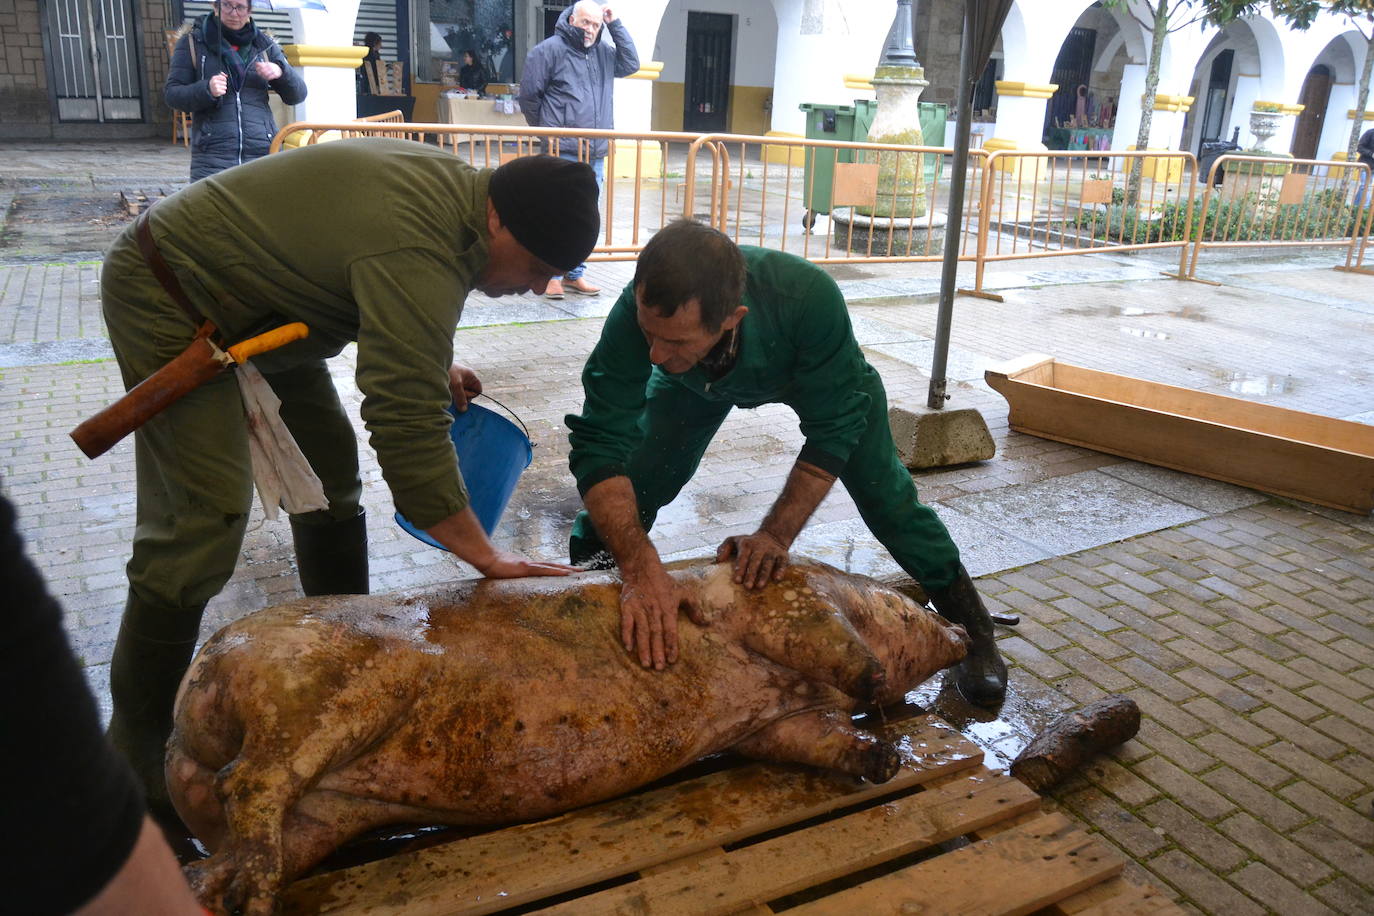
(634, 102)
(901, 187)
(1020, 124)
(1128, 108)
(1336, 129)
(328, 58)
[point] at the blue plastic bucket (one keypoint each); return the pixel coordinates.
(492, 454)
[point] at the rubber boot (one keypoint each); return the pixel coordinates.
(585, 547)
(331, 557)
(982, 676)
(151, 654)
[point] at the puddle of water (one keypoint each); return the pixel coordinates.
(1001, 733)
(1187, 312)
(1254, 383)
(1144, 334)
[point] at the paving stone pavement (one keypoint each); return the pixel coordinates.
(1242, 624)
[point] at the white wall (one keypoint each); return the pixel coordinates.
(755, 34)
(819, 41)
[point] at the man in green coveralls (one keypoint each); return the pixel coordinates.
(707, 326)
(371, 240)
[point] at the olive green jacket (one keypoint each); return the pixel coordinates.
(371, 240)
(796, 347)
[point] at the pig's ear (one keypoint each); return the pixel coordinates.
(802, 632)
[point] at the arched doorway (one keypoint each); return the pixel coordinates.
(1316, 91)
(1088, 72)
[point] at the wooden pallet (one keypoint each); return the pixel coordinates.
(946, 835)
(137, 199)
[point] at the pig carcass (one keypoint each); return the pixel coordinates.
(487, 702)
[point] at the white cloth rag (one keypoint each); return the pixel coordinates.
(283, 476)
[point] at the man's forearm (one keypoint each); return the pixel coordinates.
(615, 513)
(806, 486)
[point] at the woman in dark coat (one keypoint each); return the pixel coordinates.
(222, 70)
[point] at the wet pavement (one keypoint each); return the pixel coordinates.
(1243, 624)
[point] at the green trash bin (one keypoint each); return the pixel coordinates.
(933, 117)
(845, 123)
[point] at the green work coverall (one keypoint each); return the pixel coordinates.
(370, 240)
(796, 348)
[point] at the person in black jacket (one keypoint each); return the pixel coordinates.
(1365, 150)
(222, 70)
(76, 837)
(567, 82)
(373, 42)
(472, 75)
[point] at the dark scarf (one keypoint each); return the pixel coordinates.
(220, 42)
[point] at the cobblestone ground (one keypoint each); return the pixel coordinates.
(1242, 624)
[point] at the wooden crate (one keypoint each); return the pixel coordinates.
(1287, 452)
(946, 835)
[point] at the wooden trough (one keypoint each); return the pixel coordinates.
(1286, 452)
(946, 835)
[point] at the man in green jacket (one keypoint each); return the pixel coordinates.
(707, 326)
(370, 240)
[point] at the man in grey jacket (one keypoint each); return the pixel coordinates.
(567, 82)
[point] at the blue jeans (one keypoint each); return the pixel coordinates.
(1359, 192)
(599, 167)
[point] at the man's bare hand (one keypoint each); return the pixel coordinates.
(219, 85)
(464, 385)
(649, 602)
(506, 565)
(606, 15)
(758, 557)
(268, 70)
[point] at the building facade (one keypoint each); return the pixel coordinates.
(1064, 74)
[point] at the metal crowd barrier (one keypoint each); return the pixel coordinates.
(883, 202)
(651, 161)
(1259, 201)
(886, 203)
(1059, 203)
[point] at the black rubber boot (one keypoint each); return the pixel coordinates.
(151, 654)
(331, 557)
(982, 676)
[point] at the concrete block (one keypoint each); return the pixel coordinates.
(935, 438)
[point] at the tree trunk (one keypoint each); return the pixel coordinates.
(1147, 100)
(1362, 98)
(1073, 738)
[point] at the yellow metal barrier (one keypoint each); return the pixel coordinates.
(650, 160)
(1267, 202)
(885, 205)
(1069, 202)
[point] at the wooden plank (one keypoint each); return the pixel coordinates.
(529, 862)
(1130, 900)
(1013, 873)
(819, 853)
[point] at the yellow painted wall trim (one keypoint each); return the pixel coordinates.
(993, 144)
(1028, 90)
(349, 57)
(1292, 109)
(858, 81)
(1367, 116)
(648, 70)
(784, 155)
(1164, 102)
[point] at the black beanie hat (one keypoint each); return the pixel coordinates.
(550, 206)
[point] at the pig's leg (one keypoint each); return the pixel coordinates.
(795, 628)
(279, 762)
(824, 738)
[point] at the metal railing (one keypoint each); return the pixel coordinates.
(886, 203)
(1057, 203)
(651, 159)
(883, 201)
(1260, 201)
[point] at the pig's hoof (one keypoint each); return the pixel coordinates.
(881, 762)
(209, 879)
